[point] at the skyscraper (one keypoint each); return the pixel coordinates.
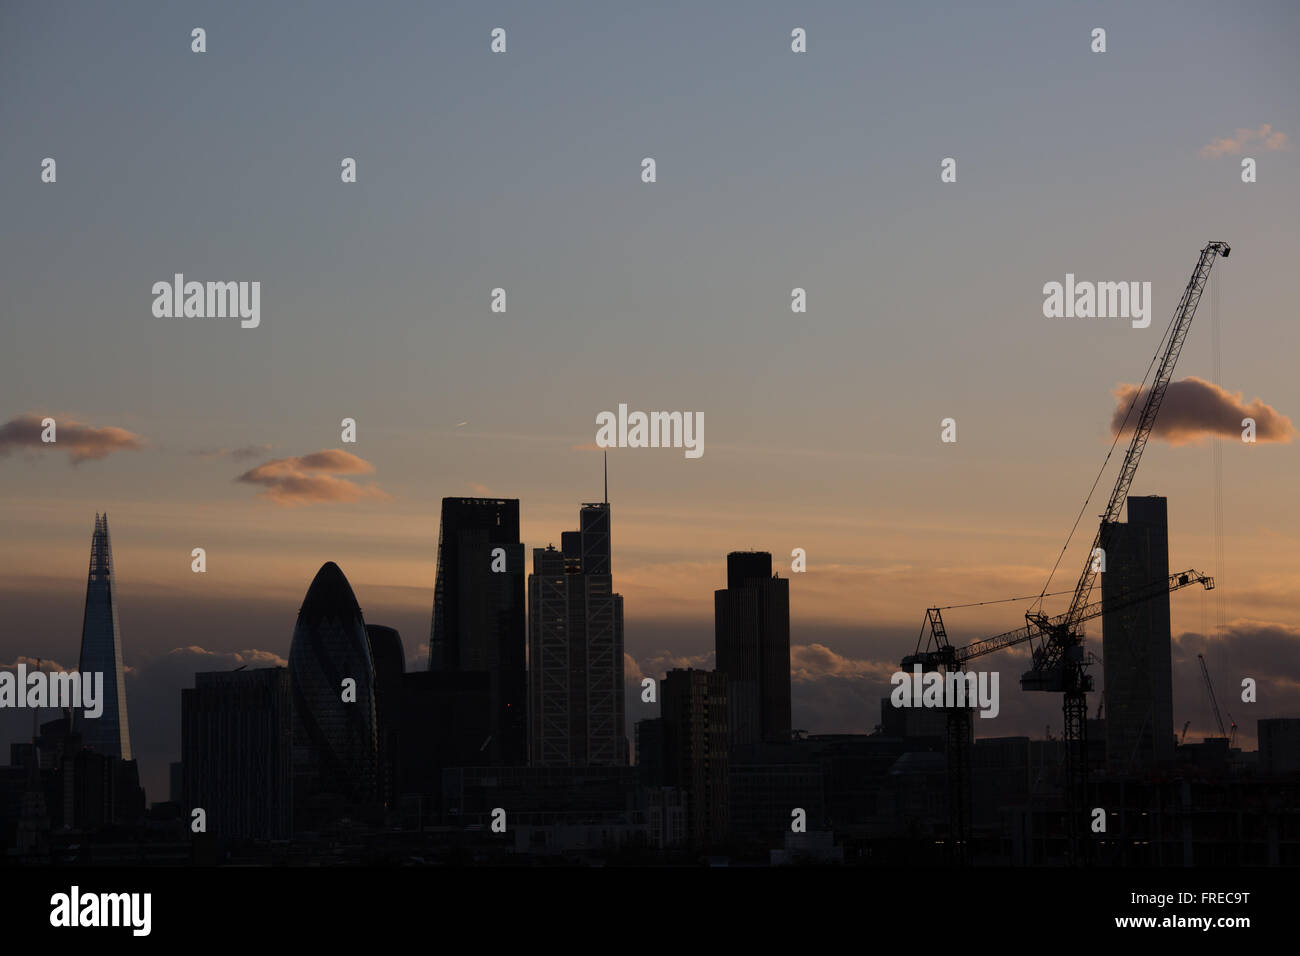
(236, 734)
(751, 620)
(479, 616)
(101, 650)
(575, 650)
(335, 747)
(1136, 641)
(694, 707)
(389, 658)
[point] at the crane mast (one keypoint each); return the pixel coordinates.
(1214, 703)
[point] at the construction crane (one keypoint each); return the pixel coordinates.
(935, 653)
(1059, 662)
(1214, 704)
(1182, 739)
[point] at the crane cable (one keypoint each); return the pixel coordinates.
(1220, 599)
(1027, 597)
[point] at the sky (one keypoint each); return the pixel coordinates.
(523, 171)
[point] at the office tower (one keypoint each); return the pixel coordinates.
(101, 651)
(389, 658)
(236, 746)
(575, 648)
(693, 704)
(478, 613)
(334, 740)
(443, 723)
(1135, 641)
(751, 619)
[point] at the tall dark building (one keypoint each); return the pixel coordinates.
(1136, 640)
(650, 751)
(389, 658)
(443, 723)
(335, 746)
(575, 650)
(101, 651)
(236, 737)
(694, 710)
(751, 620)
(478, 613)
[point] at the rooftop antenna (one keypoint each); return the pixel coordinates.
(606, 477)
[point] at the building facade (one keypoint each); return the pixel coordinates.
(479, 622)
(335, 743)
(236, 747)
(389, 658)
(694, 708)
(575, 650)
(1136, 641)
(752, 639)
(101, 650)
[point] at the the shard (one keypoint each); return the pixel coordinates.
(101, 650)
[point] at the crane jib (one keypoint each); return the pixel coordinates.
(1173, 346)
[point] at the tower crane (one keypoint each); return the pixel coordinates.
(1059, 662)
(935, 653)
(1229, 735)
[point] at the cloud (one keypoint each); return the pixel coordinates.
(1266, 651)
(1195, 409)
(81, 441)
(201, 659)
(247, 453)
(313, 479)
(661, 662)
(631, 669)
(1269, 651)
(812, 662)
(1265, 138)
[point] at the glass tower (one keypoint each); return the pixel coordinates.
(101, 650)
(479, 623)
(335, 743)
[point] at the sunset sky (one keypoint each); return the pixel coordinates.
(522, 171)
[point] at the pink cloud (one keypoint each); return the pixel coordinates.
(81, 441)
(1265, 138)
(313, 479)
(1194, 409)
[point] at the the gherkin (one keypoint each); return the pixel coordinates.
(334, 739)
